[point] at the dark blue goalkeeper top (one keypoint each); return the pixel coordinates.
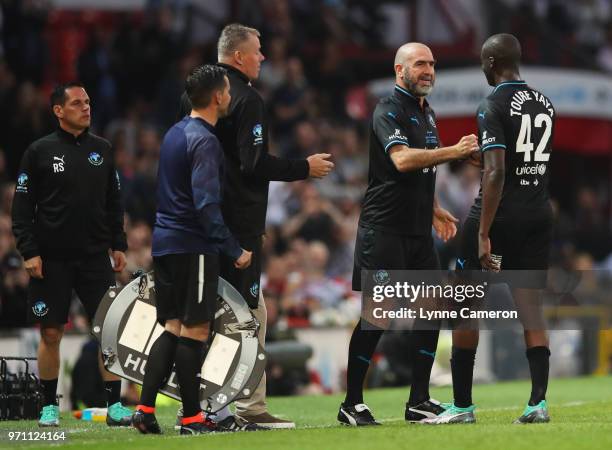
(190, 176)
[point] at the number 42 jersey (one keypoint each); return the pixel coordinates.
(519, 121)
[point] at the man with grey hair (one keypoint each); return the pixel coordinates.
(398, 212)
(249, 169)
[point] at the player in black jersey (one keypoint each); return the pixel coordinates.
(510, 224)
(399, 210)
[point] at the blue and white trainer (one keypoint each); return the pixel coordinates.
(49, 416)
(534, 414)
(453, 414)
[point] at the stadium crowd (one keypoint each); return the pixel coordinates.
(133, 68)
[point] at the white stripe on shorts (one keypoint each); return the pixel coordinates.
(200, 278)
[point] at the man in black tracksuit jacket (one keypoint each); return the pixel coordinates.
(67, 202)
(67, 216)
(249, 169)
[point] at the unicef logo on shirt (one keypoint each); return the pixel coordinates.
(40, 308)
(542, 169)
(22, 179)
(95, 158)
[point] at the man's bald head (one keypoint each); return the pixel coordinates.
(408, 50)
(414, 68)
(500, 53)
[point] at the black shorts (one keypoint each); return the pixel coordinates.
(246, 281)
(186, 287)
(49, 298)
(521, 244)
(376, 250)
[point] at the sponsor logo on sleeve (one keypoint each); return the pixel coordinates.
(257, 134)
(487, 140)
(255, 289)
(397, 136)
(22, 183)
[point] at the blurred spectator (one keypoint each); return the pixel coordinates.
(29, 120)
(141, 203)
(306, 141)
(8, 94)
(590, 17)
(592, 232)
(23, 38)
(310, 294)
(172, 86)
(14, 287)
(4, 176)
(316, 220)
(290, 100)
(274, 68)
(139, 235)
(146, 54)
(94, 68)
(332, 78)
(457, 190)
(525, 24)
(278, 21)
(604, 56)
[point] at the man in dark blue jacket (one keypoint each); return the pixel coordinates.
(188, 236)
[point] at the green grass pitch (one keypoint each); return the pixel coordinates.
(581, 411)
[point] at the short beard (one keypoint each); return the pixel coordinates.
(415, 89)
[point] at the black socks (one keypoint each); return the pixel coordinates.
(49, 391)
(113, 392)
(424, 344)
(361, 348)
(188, 363)
(159, 367)
(538, 358)
(462, 367)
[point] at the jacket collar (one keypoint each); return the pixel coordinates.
(71, 138)
(231, 70)
(208, 126)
